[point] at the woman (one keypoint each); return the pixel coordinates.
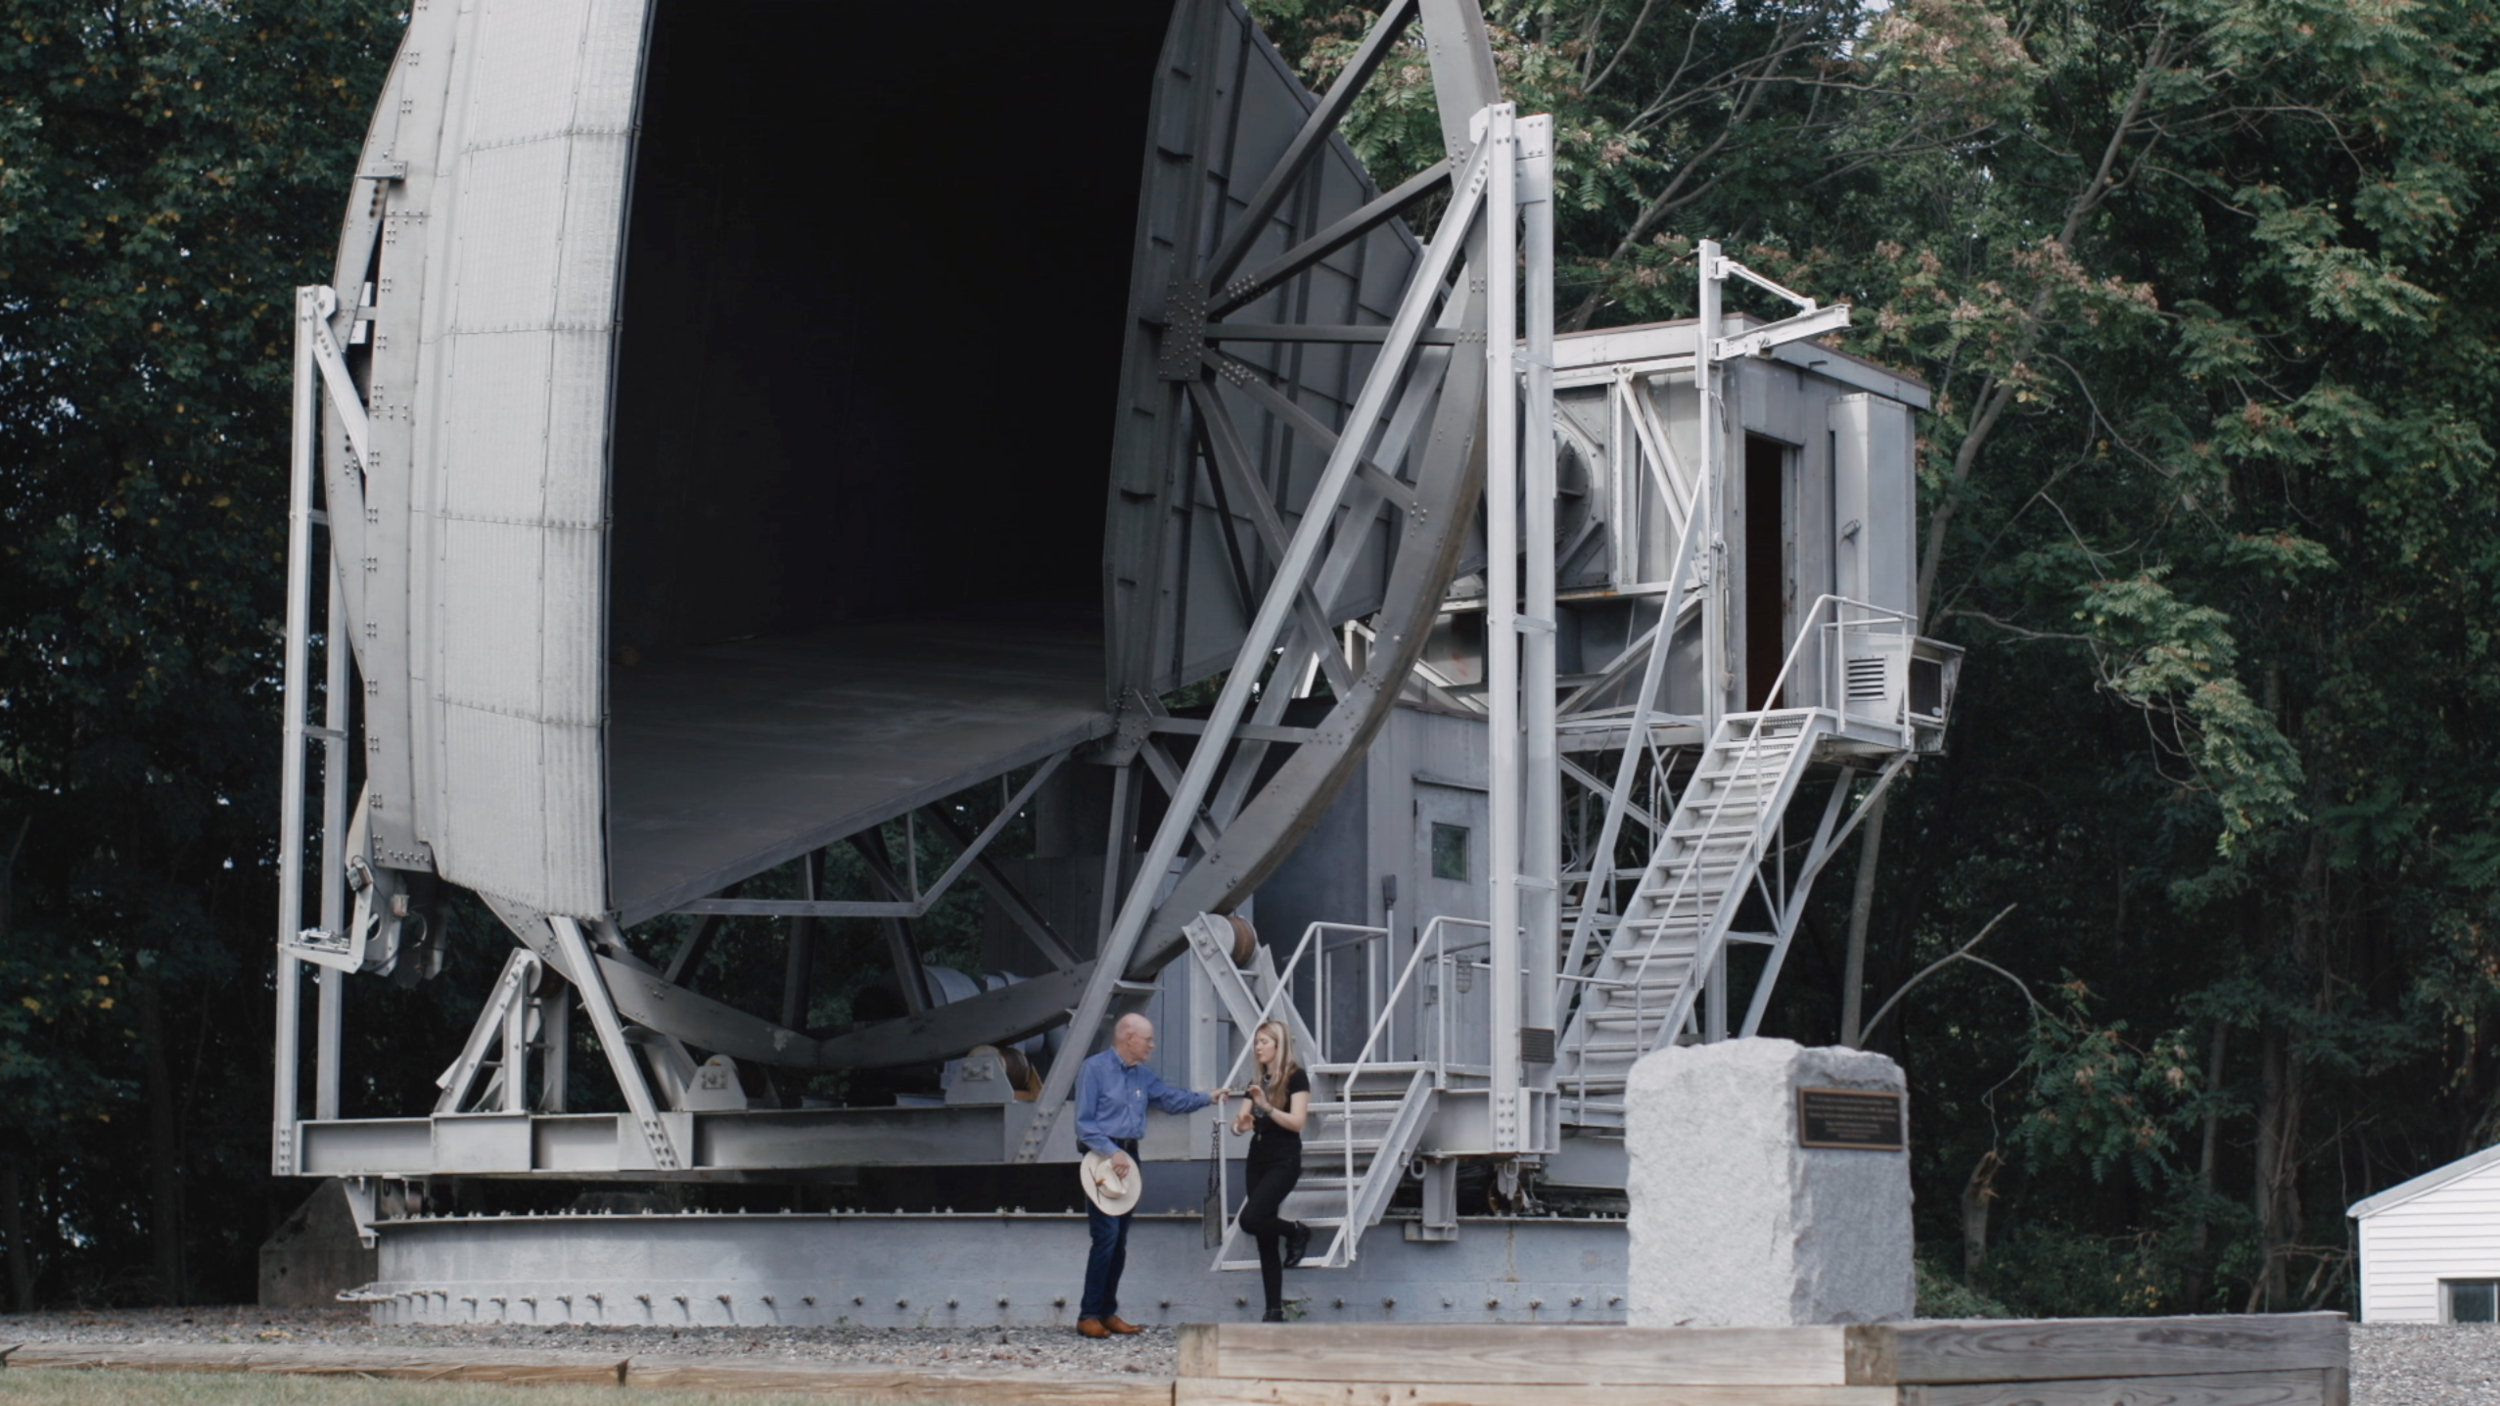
(1279, 1104)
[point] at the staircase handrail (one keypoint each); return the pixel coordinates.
(1644, 704)
(1431, 940)
(1284, 985)
(1703, 951)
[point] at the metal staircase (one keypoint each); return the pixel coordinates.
(1368, 1116)
(1640, 994)
(1354, 1153)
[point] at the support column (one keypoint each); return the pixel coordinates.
(1713, 495)
(1501, 611)
(1540, 869)
(285, 1091)
(331, 1020)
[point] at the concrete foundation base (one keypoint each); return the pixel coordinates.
(965, 1270)
(315, 1253)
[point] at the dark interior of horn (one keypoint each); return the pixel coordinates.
(877, 268)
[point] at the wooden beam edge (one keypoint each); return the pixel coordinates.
(976, 1387)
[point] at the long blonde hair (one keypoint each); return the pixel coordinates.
(1285, 1066)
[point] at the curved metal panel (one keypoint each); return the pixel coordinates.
(498, 171)
(1226, 111)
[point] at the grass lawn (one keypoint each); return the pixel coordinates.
(84, 1388)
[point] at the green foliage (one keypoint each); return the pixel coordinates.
(2206, 294)
(168, 173)
(1941, 1295)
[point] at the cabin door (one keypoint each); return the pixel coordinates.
(1769, 567)
(1451, 851)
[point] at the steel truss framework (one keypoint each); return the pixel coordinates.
(1453, 402)
(1402, 465)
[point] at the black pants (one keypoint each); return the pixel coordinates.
(1270, 1183)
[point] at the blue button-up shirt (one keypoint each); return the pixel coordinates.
(1111, 1099)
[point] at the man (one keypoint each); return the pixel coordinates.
(1112, 1091)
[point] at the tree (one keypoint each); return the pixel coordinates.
(2203, 290)
(168, 173)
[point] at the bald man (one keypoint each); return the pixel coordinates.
(1112, 1091)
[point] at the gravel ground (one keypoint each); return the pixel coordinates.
(1154, 1351)
(2392, 1365)
(2423, 1364)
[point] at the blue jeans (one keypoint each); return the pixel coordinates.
(1108, 1257)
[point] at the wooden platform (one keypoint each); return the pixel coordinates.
(865, 1386)
(2278, 1360)
(2270, 1360)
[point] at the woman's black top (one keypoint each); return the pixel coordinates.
(1268, 1142)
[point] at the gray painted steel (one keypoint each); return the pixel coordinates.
(497, 167)
(489, 219)
(967, 1270)
(736, 757)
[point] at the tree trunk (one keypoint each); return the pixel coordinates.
(2275, 1131)
(2199, 1280)
(164, 1149)
(13, 1225)
(1976, 1194)
(12, 1175)
(1861, 911)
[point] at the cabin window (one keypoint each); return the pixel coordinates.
(1449, 851)
(2473, 1300)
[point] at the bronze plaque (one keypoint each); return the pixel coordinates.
(1868, 1120)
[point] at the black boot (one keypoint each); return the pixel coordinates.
(1297, 1244)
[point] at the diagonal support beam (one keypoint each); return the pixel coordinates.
(1316, 129)
(995, 882)
(1424, 293)
(1380, 210)
(1827, 842)
(584, 972)
(869, 844)
(1241, 486)
(511, 991)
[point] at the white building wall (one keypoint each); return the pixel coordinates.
(2449, 1232)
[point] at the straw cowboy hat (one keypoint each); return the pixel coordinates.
(1112, 1193)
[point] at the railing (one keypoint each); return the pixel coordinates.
(1833, 666)
(1430, 1053)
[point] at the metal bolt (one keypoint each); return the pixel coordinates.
(644, 1299)
(1613, 1299)
(1445, 1303)
(1536, 1304)
(1388, 1303)
(1492, 1303)
(1575, 1300)
(902, 1303)
(768, 1299)
(858, 1300)
(808, 1299)
(1060, 1302)
(1340, 1303)
(1241, 1303)
(1166, 1303)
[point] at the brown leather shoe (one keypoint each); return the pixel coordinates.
(1118, 1324)
(1092, 1327)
